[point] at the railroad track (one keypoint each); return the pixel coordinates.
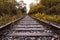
(27, 28)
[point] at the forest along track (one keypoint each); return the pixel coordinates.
(27, 29)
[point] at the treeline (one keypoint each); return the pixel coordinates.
(46, 6)
(47, 10)
(9, 7)
(10, 11)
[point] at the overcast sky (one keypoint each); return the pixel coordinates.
(28, 2)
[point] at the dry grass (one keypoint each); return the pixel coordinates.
(8, 18)
(52, 18)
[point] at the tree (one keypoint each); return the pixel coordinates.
(46, 6)
(36, 8)
(22, 6)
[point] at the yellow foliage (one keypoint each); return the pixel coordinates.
(52, 18)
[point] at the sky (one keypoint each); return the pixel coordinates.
(27, 3)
